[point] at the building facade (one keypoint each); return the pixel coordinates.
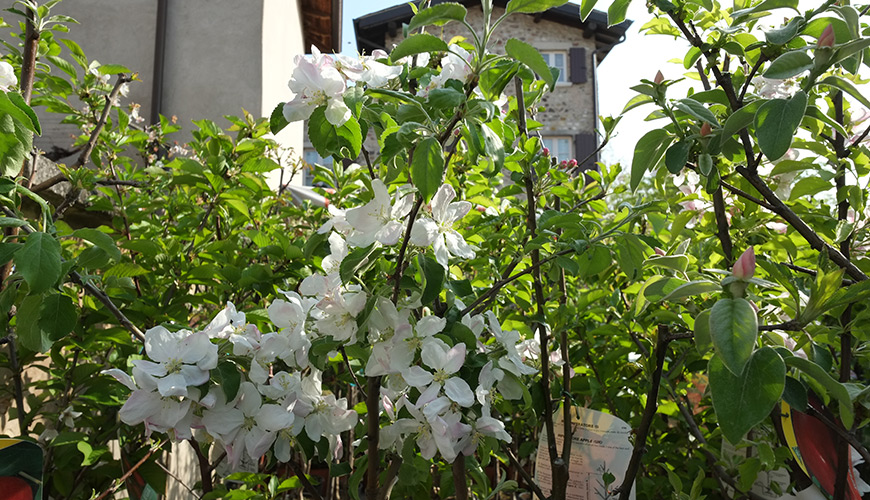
(199, 59)
(575, 47)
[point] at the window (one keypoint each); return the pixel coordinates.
(558, 60)
(560, 147)
(311, 157)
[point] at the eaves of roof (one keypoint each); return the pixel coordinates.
(371, 29)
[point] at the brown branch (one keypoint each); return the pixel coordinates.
(74, 191)
(812, 273)
(721, 474)
(17, 384)
(28, 64)
(791, 325)
(395, 464)
(75, 277)
(204, 467)
(310, 488)
(815, 241)
(523, 472)
(722, 226)
(129, 472)
(649, 411)
(460, 482)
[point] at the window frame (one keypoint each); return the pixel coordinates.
(549, 55)
(557, 137)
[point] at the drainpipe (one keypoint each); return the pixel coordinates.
(159, 61)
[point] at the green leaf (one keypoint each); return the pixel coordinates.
(705, 164)
(677, 156)
(675, 262)
(733, 328)
(277, 122)
(532, 6)
(776, 123)
(617, 11)
(438, 15)
(228, 378)
(691, 289)
(427, 167)
(355, 260)
(814, 112)
(100, 240)
(39, 262)
(7, 251)
(18, 101)
(125, 270)
(57, 317)
(703, 340)
(328, 139)
(697, 110)
(528, 55)
(11, 222)
(835, 389)
(260, 165)
(809, 186)
(586, 7)
(847, 87)
(647, 154)
(113, 69)
(27, 325)
(741, 118)
(433, 274)
(743, 401)
(445, 98)
(418, 44)
(789, 64)
(783, 35)
(15, 143)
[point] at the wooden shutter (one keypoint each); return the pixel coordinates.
(586, 143)
(577, 60)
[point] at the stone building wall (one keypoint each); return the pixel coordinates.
(570, 109)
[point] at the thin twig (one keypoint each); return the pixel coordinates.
(523, 472)
(815, 241)
(720, 472)
(789, 326)
(310, 488)
(349, 369)
(18, 385)
(460, 483)
(173, 476)
(74, 191)
(392, 471)
(652, 401)
(129, 472)
(75, 277)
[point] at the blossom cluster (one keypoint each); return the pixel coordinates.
(253, 392)
(321, 79)
(426, 395)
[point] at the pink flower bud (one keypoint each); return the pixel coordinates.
(572, 163)
(457, 132)
(563, 164)
(744, 268)
(827, 38)
(659, 251)
(706, 129)
(546, 151)
(659, 77)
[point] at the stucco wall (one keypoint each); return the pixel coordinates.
(570, 108)
(220, 57)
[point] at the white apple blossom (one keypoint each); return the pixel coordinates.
(445, 361)
(376, 73)
(316, 82)
(323, 414)
(181, 359)
(438, 231)
(379, 219)
(226, 322)
(246, 424)
(7, 76)
(338, 250)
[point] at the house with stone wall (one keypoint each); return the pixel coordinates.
(575, 47)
